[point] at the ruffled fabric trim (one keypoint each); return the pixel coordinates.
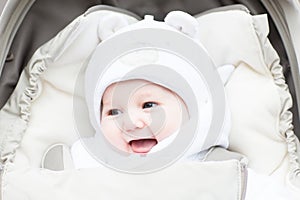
(272, 61)
(33, 90)
(15, 115)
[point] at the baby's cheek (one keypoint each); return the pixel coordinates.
(108, 129)
(114, 135)
(174, 117)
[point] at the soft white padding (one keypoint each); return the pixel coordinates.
(241, 39)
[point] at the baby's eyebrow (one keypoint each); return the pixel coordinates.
(145, 94)
(150, 95)
(105, 103)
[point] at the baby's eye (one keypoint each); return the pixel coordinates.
(149, 105)
(114, 112)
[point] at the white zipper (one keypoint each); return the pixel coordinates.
(1, 176)
(244, 179)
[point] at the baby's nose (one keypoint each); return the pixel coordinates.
(136, 120)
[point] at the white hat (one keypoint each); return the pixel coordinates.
(167, 54)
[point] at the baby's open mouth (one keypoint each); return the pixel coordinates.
(142, 145)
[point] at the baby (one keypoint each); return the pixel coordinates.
(144, 113)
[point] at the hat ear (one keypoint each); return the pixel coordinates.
(109, 24)
(183, 22)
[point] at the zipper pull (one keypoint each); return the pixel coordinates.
(10, 57)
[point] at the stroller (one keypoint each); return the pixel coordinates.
(37, 97)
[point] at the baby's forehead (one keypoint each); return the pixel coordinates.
(141, 87)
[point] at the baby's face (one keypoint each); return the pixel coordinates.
(137, 114)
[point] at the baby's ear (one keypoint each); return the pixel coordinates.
(109, 24)
(225, 72)
(183, 22)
